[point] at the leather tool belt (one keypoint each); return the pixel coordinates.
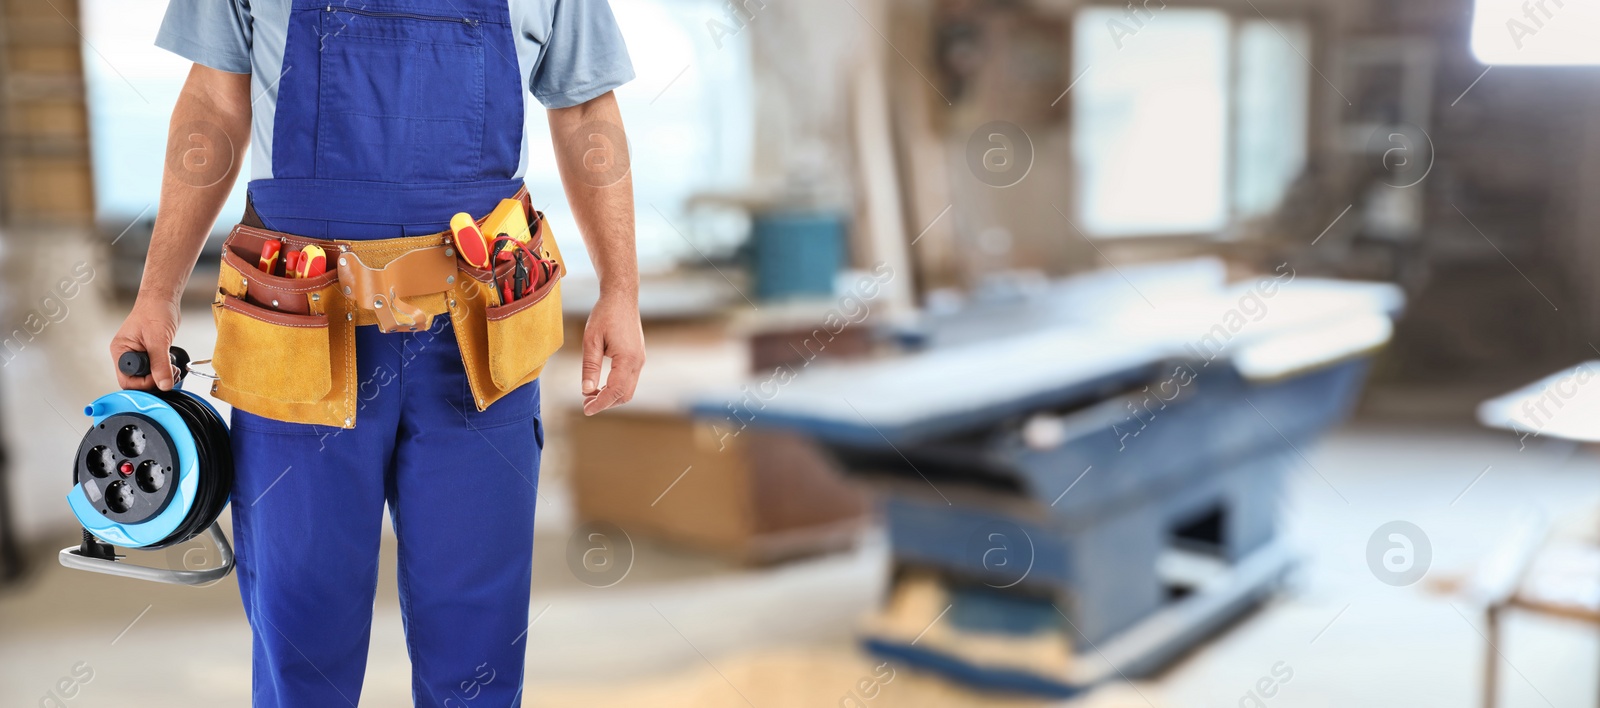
(286, 346)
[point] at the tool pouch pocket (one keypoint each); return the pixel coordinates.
(252, 344)
(506, 345)
(285, 346)
(523, 335)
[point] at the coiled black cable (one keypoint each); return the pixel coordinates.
(215, 453)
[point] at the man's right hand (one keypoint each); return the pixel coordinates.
(150, 328)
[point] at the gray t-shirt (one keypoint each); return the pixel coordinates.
(571, 51)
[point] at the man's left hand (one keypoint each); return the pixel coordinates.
(613, 331)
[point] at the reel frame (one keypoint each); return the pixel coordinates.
(102, 558)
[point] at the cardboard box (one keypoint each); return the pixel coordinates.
(759, 497)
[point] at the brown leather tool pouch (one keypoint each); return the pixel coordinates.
(505, 346)
(285, 346)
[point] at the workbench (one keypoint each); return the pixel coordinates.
(1531, 569)
(1564, 405)
(1129, 470)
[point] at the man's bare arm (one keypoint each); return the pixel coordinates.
(592, 153)
(206, 140)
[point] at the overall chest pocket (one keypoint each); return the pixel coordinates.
(400, 97)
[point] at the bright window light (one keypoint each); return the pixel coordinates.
(690, 117)
(132, 85)
(1150, 111)
(1535, 32)
(1273, 99)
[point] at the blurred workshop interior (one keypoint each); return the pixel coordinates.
(1001, 353)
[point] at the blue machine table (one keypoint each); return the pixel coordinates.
(1122, 463)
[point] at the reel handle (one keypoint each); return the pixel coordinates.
(136, 363)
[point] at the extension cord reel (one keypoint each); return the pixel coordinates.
(153, 471)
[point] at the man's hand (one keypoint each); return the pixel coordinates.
(592, 152)
(149, 328)
(613, 331)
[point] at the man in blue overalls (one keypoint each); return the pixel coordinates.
(373, 120)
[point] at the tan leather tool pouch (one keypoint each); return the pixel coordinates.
(505, 346)
(285, 346)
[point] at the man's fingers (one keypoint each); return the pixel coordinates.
(593, 349)
(128, 383)
(122, 345)
(135, 383)
(161, 369)
(624, 377)
(620, 385)
(162, 375)
(606, 398)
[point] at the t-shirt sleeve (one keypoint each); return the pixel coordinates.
(583, 56)
(215, 33)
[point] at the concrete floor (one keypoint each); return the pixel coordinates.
(1348, 639)
(691, 630)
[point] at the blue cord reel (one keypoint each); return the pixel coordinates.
(153, 471)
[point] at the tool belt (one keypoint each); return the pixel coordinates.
(286, 346)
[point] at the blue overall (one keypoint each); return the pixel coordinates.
(391, 118)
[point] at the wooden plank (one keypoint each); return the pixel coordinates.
(884, 226)
(1571, 612)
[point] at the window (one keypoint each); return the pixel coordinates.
(690, 121)
(1171, 137)
(1150, 122)
(131, 85)
(1270, 129)
(1535, 32)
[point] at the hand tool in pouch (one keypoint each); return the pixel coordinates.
(519, 276)
(521, 282)
(269, 256)
(469, 240)
(313, 262)
(509, 219)
(154, 470)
